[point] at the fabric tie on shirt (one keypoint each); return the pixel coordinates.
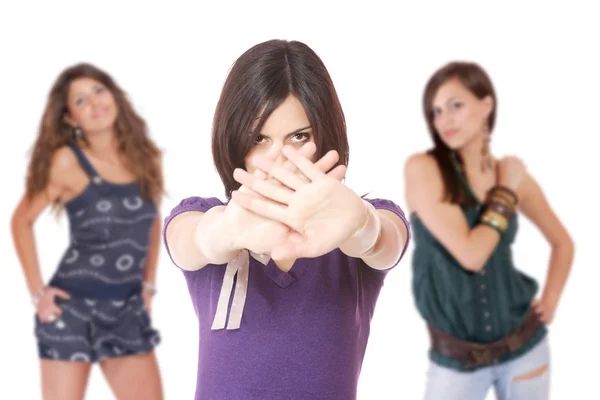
(240, 265)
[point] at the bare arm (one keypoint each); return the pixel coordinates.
(535, 207)
(424, 192)
(196, 239)
(380, 242)
(155, 240)
(27, 212)
(153, 251)
(22, 222)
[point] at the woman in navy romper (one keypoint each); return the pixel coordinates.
(93, 158)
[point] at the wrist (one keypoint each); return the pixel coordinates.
(366, 237)
(149, 287)
(550, 299)
(215, 237)
(37, 295)
(499, 208)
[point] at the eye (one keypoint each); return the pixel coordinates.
(456, 105)
(300, 137)
(100, 89)
(79, 101)
(260, 139)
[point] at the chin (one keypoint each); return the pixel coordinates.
(453, 144)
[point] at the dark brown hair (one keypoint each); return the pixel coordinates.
(261, 79)
(476, 80)
(141, 154)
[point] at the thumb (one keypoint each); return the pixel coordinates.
(61, 293)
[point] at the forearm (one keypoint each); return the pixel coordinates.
(561, 260)
(196, 239)
(214, 239)
(380, 241)
(24, 242)
(388, 249)
(153, 251)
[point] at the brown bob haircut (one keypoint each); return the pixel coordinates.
(258, 82)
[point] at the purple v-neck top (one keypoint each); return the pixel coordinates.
(303, 333)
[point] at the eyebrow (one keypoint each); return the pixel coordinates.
(297, 131)
(452, 99)
(449, 100)
(96, 86)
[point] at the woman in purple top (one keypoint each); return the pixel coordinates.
(285, 275)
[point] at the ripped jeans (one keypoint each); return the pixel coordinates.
(448, 384)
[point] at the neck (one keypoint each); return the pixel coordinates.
(103, 143)
(471, 154)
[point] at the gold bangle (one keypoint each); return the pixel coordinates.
(502, 195)
(501, 200)
(506, 192)
(495, 219)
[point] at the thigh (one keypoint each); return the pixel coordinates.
(527, 377)
(64, 380)
(133, 376)
(448, 384)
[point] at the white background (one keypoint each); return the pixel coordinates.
(172, 59)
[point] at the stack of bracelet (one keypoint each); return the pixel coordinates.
(500, 207)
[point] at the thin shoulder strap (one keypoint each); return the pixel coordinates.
(85, 164)
(462, 178)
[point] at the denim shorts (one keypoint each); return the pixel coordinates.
(89, 330)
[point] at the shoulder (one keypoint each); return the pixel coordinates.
(421, 165)
(385, 204)
(63, 158)
(62, 164)
(423, 180)
(194, 203)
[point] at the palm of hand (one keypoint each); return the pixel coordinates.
(255, 233)
(324, 213)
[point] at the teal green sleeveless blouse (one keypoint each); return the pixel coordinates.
(480, 307)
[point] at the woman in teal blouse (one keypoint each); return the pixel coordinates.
(486, 325)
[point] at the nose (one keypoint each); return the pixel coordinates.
(274, 152)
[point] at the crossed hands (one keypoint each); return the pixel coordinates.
(294, 209)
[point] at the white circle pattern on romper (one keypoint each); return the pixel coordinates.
(80, 357)
(72, 257)
(103, 206)
(125, 262)
(97, 260)
(133, 204)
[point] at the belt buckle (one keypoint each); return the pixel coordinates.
(514, 342)
(482, 357)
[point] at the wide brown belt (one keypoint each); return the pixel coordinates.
(477, 354)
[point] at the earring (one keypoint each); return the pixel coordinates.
(486, 157)
(78, 133)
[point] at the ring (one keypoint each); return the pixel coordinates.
(51, 318)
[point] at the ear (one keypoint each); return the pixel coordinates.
(67, 118)
(488, 104)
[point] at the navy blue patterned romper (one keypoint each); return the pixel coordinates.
(102, 270)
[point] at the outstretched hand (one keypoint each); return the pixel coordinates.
(258, 233)
(320, 210)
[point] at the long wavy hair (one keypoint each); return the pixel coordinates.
(139, 151)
